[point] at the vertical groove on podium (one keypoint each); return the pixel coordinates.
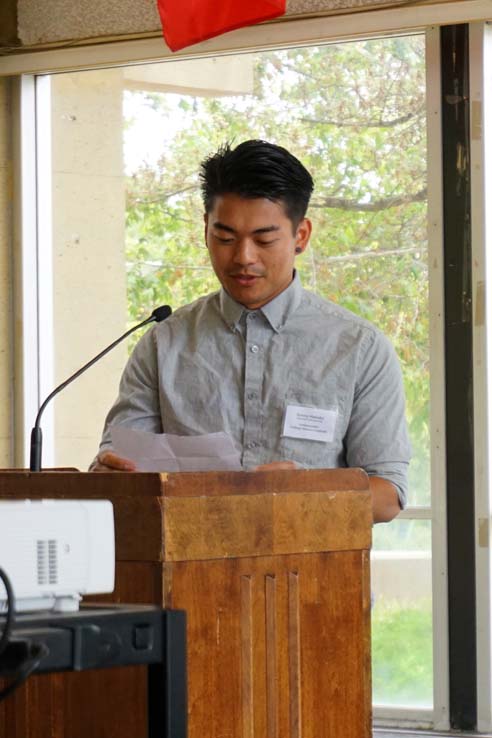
(294, 656)
(58, 706)
(247, 657)
(271, 655)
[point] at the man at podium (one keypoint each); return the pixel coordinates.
(261, 355)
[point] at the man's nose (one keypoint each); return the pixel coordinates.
(245, 252)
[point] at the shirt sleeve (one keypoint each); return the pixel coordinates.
(377, 438)
(137, 405)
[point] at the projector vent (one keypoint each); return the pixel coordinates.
(47, 562)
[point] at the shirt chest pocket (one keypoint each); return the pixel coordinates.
(311, 426)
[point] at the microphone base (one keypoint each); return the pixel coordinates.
(36, 449)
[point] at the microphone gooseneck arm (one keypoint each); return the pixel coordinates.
(159, 314)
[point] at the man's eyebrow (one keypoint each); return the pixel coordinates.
(266, 229)
(221, 227)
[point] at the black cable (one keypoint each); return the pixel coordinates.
(38, 652)
(9, 620)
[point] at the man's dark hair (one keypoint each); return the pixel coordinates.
(258, 169)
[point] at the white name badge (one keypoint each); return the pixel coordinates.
(312, 423)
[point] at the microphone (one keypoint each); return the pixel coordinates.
(157, 315)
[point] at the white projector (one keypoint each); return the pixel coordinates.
(54, 551)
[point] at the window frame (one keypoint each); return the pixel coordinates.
(282, 33)
(435, 235)
(33, 295)
(481, 194)
(29, 230)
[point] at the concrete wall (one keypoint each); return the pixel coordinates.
(6, 379)
(88, 253)
(56, 21)
(405, 576)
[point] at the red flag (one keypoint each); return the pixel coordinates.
(186, 22)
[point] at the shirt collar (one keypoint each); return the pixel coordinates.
(276, 312)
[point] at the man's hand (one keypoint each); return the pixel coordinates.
(109, 461)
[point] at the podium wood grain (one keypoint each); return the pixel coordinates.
(273, 571)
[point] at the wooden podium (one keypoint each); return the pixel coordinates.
(273, 571)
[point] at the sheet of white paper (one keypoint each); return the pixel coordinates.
(167, 452)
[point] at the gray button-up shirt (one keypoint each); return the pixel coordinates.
(216, 366)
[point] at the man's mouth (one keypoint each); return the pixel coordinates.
(245, 279)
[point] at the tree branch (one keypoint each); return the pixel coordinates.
(376, 254)
(363, 123)
(160, 265)
(158, 196)
(341, 203)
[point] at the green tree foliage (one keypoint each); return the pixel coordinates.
(354, 113)
(402, 653)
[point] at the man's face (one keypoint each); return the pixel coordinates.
(252, 247)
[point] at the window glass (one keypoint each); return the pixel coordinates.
(401, 582)
(128, 236)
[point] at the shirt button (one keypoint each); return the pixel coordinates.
(252, 396)
(253, 444)
(254, 348)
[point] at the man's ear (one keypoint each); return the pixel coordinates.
(303, 234)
